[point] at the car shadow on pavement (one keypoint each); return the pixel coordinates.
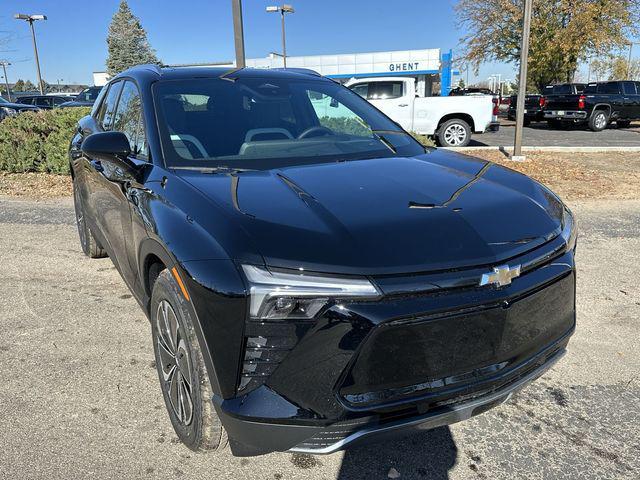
(425, 455)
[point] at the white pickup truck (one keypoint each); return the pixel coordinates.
(451, 120)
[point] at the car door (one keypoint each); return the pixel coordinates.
(630, 99)
(395, 99)
(128, 119)
(101, 205)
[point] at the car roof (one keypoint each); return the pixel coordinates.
(156, 73)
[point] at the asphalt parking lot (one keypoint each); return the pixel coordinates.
(539, 134)
(80, 395)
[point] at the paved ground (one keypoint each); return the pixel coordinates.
(80, 398)
(540, 135)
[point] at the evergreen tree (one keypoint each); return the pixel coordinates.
(127, 42)
(19, 86)
(29, 86)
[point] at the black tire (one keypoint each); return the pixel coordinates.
(526, 122)
(182, 373)
(623, 123)
(454, 133)
(90, 246)
(599, 120)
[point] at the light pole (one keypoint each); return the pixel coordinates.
(522, 88)
(31, 19)
(5, 64)
(283, 9)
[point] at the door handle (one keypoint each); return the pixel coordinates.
(97, 165)
(403, 105)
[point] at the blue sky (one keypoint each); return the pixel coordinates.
(72, 41)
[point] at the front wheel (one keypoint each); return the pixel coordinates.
(454, 133)
(598, 121)
(183, 376)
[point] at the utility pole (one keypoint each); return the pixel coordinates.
(5, 64)
(522, 90)
(629, 62)
(238, 33)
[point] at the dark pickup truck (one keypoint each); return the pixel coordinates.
(534, 104)
(600, 104)
(532, 108)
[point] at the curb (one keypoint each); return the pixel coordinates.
(546, 149)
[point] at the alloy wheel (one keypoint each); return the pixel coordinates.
(175, 363)
(455, 134)
(601, 121)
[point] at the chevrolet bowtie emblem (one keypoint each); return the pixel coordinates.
(500, 276)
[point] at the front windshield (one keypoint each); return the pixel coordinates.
(2, 100)
(264, 122)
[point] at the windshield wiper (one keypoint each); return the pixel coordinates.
(221, 169)
(384, 141)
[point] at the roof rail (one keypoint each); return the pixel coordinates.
(306, 71)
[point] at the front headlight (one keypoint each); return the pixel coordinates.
(9, 111)
(277, 295)
(569, 229)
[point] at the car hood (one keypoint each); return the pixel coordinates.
(389, 215)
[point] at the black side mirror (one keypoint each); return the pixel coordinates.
(107, 146)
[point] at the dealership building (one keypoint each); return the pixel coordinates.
(431, 67)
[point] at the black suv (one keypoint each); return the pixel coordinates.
(599, 105)
(313, 276)
(45, 102)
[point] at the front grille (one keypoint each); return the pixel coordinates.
(481, 334)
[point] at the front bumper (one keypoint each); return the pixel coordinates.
(413, 360)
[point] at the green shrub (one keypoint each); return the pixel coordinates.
(38, 141)
(423, 139)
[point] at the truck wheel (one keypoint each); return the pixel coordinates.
(181, 369)
(623, 123)
(598, 121)
(454, 133)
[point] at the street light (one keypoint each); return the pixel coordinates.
(5, 64)
(284, 9)
(31, 19)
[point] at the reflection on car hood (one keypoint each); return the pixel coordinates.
(390, 215)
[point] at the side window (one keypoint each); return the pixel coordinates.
(108, 106)
(128, 118)
(609, 88)
(361, 89)
(629, 88)
(385, 90)
(337, 117)
(43, 102)
(638, 87)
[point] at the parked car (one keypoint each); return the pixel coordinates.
(533, 105)
(316, 280)
(9, 109)
(85, 98)
(45, 102)
(456, 92)
(600, 104)
(451, 120)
